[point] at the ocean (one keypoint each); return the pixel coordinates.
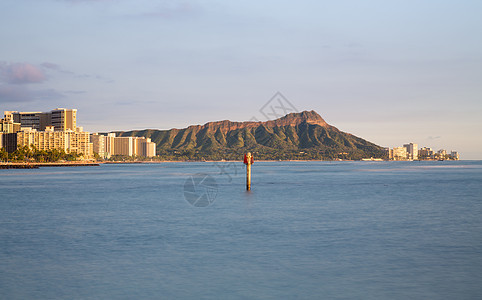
(306, 230)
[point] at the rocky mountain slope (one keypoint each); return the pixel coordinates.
(302, 135)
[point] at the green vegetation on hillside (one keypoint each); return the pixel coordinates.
(303, 141)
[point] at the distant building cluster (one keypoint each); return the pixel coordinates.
(57, 129)
(109, 145)
(412, 152)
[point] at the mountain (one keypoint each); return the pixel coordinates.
(302, 135)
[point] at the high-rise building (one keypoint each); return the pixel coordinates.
(124, 146)
(61, 118)
(412, 151)
(454, 155)
(8, 141)
(144, 147)
(79, 142)
(425, 153)
(68, 141)
(64, 119)
(109, 145)
(398, 153)
(56, 129)
(35, 120)
(98, 144)
(128, 146)
(150, 148)
(7, 125)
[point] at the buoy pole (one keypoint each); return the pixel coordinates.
(248, 177)
(248, 160)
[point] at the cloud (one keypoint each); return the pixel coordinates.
(86, 1)
(46, 94)
(21, 73)
(168, 10)
(50, 66)
(75, 92)
(10, 93)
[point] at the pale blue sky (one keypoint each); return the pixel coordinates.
(389, 71)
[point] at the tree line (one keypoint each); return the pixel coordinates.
(32, 154)
(266, 153)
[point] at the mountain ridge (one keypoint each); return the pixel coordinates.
(304, 135)
(290, 119)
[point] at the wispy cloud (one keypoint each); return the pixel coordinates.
(21, 73)
(85, 1)
(170, 11)
(143, 9)
(51, 66)
(16, 77)
(166, 10)
(75, 92)
(10, 93)
(16, 80)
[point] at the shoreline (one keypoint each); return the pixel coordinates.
(36, 165)
(26, 165)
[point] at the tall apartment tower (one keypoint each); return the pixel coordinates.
(69, 141)
(124, 146)
(7, 125)
(412, 151)
(109, 145)
(34, 119)
(64, 119)
(98, 144)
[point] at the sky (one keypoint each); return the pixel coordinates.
(391, 72)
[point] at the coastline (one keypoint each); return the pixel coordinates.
(36, 165)
(25, 165)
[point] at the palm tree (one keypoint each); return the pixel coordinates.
(3, 155)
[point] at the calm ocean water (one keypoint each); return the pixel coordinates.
(307, 230)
